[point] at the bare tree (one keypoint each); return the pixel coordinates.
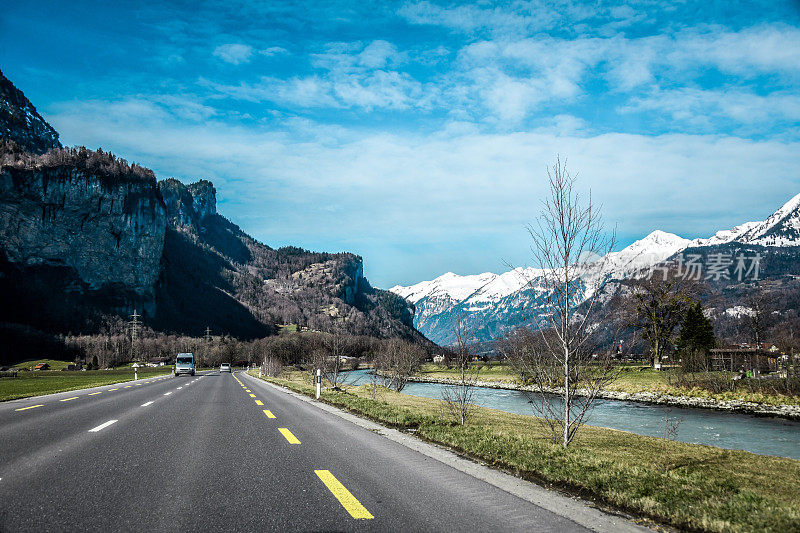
(376, 378)
(457, 399)
(336, 345)
(397, 361)
(271, 366)
(756, 321)
(570, 247)
(654, 308)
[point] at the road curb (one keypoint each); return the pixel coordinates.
(575, 509)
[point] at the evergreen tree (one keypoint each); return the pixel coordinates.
(696, 338)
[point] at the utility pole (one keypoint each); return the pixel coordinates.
(207, 340)
(135, 324)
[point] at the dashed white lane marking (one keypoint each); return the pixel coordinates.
(167, 393)
(102, 426)
(146, 404)
(179, 388)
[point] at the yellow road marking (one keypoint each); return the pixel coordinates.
(29, 407)
(109, 390)
(248, 390)
(268, 413)
(348, 501)
(94, 393)
(259, 402)
(127, 386)
(68, 399)
(288, 434)
(252, 395)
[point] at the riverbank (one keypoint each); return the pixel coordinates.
(638, 386)
(683, 485)
(791, 412)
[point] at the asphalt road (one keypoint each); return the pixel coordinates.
(201, 454)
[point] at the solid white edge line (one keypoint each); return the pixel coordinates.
(146, 404)
(102, 426)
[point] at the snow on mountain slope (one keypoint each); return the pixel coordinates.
(782, 228)
(490, 287)
(493, 302)
(486, 287)
(645, 253)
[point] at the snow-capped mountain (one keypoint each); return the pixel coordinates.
(493, 303)
(782, 228)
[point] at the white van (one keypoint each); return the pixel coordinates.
(184, 364)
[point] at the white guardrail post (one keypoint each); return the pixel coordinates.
(319, 381)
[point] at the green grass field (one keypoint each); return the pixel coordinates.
(54, 365)
(631, 379)
(683, 485)
(28, 384)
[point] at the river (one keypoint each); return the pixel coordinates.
(735, 431)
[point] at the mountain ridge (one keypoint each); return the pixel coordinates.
(440, 300)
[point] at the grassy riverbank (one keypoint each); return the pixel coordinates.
(37, 383)
(631, 379)
(684, 485)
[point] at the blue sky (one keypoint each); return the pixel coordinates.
(417, 134)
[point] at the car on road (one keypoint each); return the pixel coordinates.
(184, 364)
(225, 367)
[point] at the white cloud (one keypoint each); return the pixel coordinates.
(762, 49)
(234, 53)
(512, 78)
(701, 107)
(273, 51)
(505, 81)
(377, 54)
(346, 84)
(528, 17)
(454, 184)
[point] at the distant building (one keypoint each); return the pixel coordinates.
(42, 366)
(763, 357)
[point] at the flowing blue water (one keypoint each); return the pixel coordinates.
(735, 431)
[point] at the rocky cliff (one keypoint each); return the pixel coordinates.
(20, 122)
(110, 231)
(210, 265)
(85, 236)
(188, 205)
(82, 235)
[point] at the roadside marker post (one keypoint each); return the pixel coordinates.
(136, 371)
(319, 381)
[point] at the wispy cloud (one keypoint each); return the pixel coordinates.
(234, 53)
(437, 117)
(273, 51)
(708, 108)
(452, 185)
